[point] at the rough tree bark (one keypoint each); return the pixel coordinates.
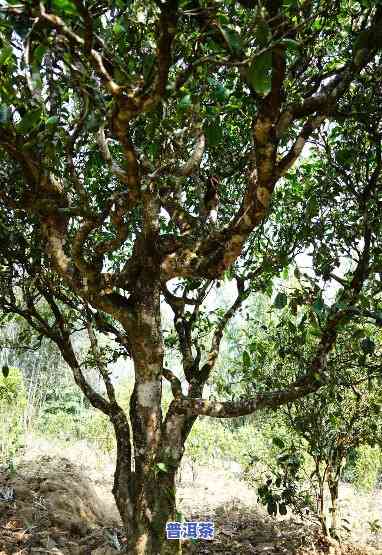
(58, 205)
(333, 489)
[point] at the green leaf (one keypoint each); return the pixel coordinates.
(278, 442)
(29, 121)
(263, 33)
(291, 44)
(38, 54)
(162, 467)
(259, 73)
(66, 6)
(214, 134)
(280, 300)
(118, 28)
(232, 38)
(246, 359)
(148, 67)
(367, 345)
(344, 156)
(221, 93)
(185, 102)
(52, 121)
(153, 149)
(6, 56)
(318, 306)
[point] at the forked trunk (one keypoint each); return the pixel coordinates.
(146, 502)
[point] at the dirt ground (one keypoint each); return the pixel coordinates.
(242, 526)
(63, 507)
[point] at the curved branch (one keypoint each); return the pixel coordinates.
(95, 57)
(193, 162)
(105, 153)
(230, 409)
(176, 386)
(289, 159)
(213, 353)
(98, 361)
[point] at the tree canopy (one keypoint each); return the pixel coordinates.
(148, 150)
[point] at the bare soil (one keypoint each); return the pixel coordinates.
(66, 508)
(55, 508)
(242, 526)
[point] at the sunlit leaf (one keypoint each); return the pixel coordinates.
(162, 467)
(66, 6)
(185, 102)
(29, 121)
(259, 73)
(6, 56)
(52, 121)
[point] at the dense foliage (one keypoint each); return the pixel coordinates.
(147, 152)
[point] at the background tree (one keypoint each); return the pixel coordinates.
(325, 429)
(276, 346)
(147, 142)
(336, 424)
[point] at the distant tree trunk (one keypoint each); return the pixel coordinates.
(321, 509)
(320, 499)
(333, 482)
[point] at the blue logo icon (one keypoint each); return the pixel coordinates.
(190, 530)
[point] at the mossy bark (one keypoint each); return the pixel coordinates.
(149, 534)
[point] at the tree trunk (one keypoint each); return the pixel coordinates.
(152, 492)
(333, 489)
(151, 513)
(145, 500)
(321, 502)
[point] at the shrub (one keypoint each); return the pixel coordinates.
(12, 406)
(368, 465)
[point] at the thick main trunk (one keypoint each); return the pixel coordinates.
(153, 479)
(146, 503)
(149, 533)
